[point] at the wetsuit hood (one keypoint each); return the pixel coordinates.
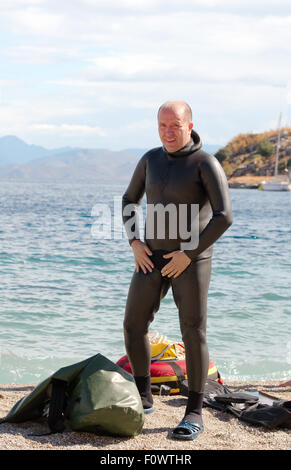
(194, 145)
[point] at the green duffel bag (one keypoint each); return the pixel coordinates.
(94, 395)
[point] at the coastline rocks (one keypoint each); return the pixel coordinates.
(237, 184)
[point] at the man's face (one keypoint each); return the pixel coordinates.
(174, 129)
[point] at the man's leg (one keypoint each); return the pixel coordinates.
(190, 292)
(143, 301)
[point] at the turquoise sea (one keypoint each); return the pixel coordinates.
(63, 291)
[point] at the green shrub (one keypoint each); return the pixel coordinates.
(222, 154)
(266, 148)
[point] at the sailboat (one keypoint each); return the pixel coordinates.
(278, 182)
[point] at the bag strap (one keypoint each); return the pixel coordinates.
(178, 371)
(124, 362)
(56, 417)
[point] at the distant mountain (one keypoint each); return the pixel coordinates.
(140, 152)
(15, 150)
(78, 165)
(21, 161)
(137, 152)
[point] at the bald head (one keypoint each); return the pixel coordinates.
(175, 125)
(180, 107)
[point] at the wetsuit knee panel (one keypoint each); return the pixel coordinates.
(192, 333)
(135, 327)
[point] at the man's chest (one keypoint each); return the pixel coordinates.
(176, 181)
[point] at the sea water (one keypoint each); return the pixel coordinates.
(63, 291)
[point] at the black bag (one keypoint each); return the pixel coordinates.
(277, 415)
(248, 407)
(244, 405)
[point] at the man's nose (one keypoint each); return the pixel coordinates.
(169, 131)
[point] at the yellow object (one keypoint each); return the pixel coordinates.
(171, 352)
(162, 348)
(163, 351)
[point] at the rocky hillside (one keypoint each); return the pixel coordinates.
(254, 155)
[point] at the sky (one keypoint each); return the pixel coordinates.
(92, 73)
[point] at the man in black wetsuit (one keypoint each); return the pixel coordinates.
(177, 173)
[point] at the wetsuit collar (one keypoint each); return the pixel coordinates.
(194, 145)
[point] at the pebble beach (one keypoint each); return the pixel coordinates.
(223, 431)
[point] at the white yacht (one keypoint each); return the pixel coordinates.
(278, 183)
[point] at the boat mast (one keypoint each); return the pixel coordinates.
(278, 145)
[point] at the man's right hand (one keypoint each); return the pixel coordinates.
(141, 252)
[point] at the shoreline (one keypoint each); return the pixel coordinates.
(223, 431)
(247, 181)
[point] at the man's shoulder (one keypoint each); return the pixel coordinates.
(153, 152)
(205, 157)
(208, 164)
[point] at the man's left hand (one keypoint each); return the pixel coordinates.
(179, 262)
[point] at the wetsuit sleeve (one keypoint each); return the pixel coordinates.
(132, 199)
(216, 186)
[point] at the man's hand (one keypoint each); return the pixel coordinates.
(180, 261)
(141, 252)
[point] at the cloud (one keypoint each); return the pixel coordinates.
(70, 129)
(32, 20)
(152, 7)
(38, 114)
(187, 41)
(138, 125)
(36, 54)
(19, 4)
(87, 67)
(192, 47)
(11, 83)
(122, 67)
(288, 92)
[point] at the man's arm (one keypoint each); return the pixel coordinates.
(215, 183)
(132, 199)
